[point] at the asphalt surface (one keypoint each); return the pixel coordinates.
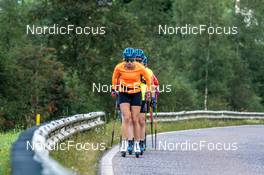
(237, 150)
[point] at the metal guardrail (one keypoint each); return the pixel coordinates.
(42, 139)
(186, 115)
(38, 161)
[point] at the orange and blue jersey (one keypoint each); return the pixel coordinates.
(126, 80)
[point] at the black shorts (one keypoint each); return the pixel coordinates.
(132, 99)
(143, 107)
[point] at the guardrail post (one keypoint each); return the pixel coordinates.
(37, 119)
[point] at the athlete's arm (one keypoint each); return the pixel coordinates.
(150, 73)
(147, 78)
(156, 84)
(115, 78)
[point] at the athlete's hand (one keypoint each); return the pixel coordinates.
(157, 92)
(114, 93)
(153, 102)
(147, 96)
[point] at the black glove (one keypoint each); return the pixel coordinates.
(153, 102)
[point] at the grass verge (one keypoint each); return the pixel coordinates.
(6, 141)
(86, 162)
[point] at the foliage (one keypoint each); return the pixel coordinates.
(54, 74)
(6, 140)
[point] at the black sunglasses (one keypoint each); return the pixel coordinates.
(130, 60)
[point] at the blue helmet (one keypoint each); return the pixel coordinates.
(128, 53)
(145, 60)
(138, 53)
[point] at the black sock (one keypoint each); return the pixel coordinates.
(130, 142)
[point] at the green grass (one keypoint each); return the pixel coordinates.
(6, 140)
(87, 162)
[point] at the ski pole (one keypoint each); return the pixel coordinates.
(146, 111)
(151, 123)
(115, 116)
(156, 124)
(120, 137)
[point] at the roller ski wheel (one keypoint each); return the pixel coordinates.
(141, 153)
(123, 154)
(137, 155)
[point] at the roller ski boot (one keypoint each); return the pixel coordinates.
(142, 147)
(123, 148)
(130, 147)
(137, 149)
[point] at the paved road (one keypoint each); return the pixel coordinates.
(237, 150)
